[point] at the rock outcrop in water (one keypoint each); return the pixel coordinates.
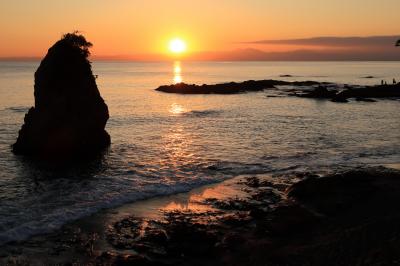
(69, 116)
(320, 93)
(381, 91)
(231, 87)
(319, 90)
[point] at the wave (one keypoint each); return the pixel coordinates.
(203, 113)
(17, 109)
(104, 192)
(235, 169)
(65, 200)
(57, 218)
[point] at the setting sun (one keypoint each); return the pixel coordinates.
(177, 46)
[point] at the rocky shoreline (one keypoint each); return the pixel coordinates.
(308, 89)
(347, 218)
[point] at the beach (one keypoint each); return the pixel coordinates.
(246, 220)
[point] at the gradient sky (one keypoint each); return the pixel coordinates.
(126, 27)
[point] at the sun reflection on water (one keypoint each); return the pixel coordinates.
(177, 72)
(177, 109)
(177, 150)
(194, 200)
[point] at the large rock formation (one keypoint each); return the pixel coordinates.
(69, 115)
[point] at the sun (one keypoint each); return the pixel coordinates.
(177, 46)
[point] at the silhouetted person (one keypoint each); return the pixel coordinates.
(382, 82)
(394, 81)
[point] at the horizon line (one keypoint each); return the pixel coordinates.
(352, 52)
(260, 41)
(38, 59)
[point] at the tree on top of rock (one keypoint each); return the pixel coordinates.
(78, 41)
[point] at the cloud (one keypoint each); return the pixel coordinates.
(390, 54)
(372, 48)
(372, 41)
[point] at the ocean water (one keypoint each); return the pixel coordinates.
(166, 143)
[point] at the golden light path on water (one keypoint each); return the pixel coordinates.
(177, 109)
(177, 72)
(176, 146)
(177, 141)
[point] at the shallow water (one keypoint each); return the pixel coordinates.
(166, 143)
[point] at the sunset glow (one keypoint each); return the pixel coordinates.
(158, 30)
(177, 72)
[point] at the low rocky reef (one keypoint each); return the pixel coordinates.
(306, 89)
(357, 92)
(231, 87)
(69, 116)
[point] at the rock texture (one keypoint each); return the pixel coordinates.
(69, 115)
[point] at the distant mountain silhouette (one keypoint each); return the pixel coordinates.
(387, 54)
(375, 48)
(335, 41)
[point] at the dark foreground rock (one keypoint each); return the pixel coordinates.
(373, 191)
(69, 115)
(348, 218)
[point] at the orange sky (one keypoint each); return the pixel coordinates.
(129, 27)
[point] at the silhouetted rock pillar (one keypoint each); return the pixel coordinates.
(69, 116)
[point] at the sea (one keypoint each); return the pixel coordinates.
(168, 143)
